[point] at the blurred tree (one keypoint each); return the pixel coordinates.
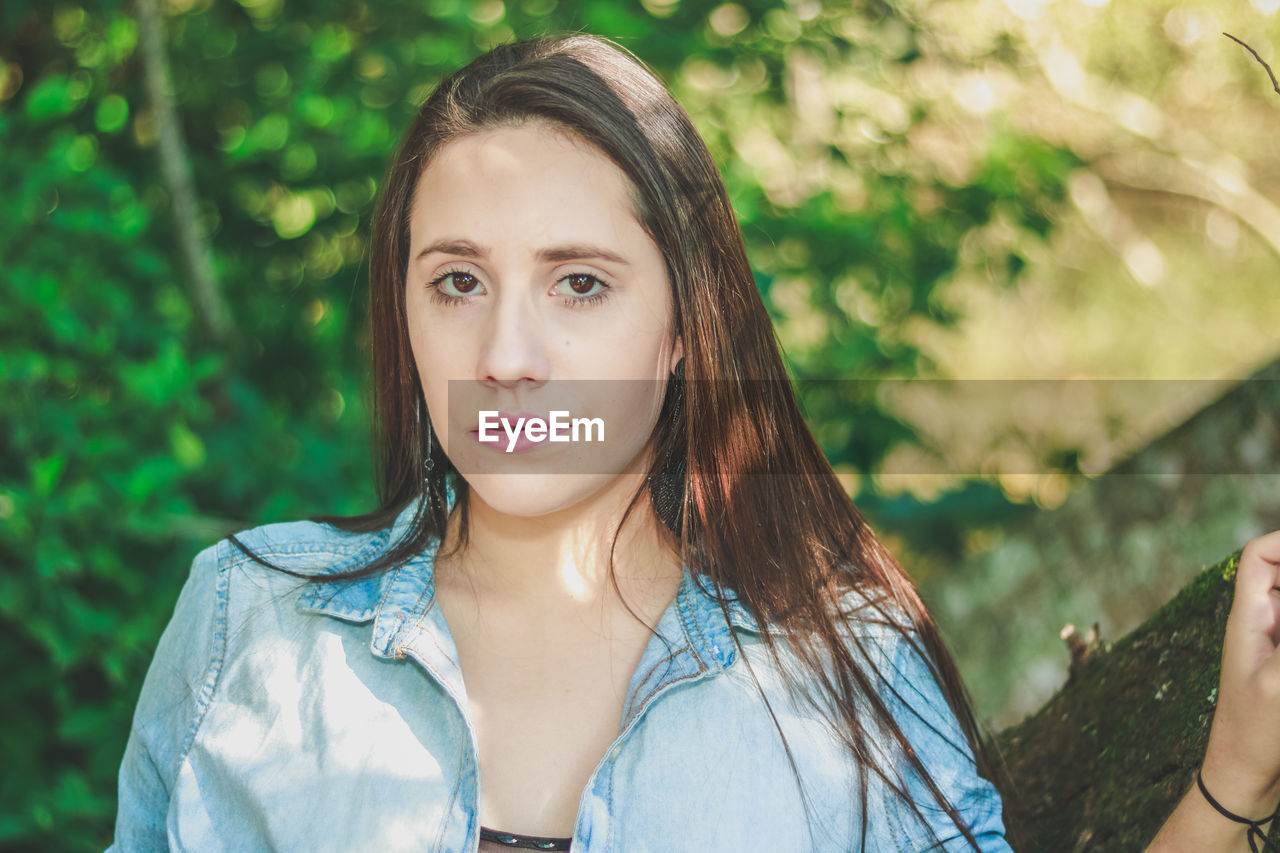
(207, 300)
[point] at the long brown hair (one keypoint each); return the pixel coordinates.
(742, 487)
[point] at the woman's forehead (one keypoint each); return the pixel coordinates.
(530, 152)
(533, 177)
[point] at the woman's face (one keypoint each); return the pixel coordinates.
(532, 288)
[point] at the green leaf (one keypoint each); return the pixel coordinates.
(45, 473)
(56, 96)
(188, 449)
(112, 113)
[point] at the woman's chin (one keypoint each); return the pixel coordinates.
(534, 495)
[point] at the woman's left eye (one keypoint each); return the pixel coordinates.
(581, 288)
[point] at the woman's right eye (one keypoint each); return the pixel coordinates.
(454, 286)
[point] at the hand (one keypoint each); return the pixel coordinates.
(1242, 761)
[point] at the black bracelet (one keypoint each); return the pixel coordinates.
(1255, 833)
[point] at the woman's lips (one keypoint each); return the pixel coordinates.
(503, 442)
(500, 438)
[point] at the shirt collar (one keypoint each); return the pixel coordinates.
(400, 597)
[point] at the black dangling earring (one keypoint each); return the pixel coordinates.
(427, 462)
(666, 491)
(677, 376)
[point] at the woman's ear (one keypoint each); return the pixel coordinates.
(677, 353)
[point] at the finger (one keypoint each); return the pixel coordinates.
(1254, 623)
(1259, 569)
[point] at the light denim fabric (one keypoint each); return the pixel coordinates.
(278, 716)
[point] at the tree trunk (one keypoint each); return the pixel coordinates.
(175, 163)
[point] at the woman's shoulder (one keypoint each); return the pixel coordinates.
(264, 584)
(283, 567)
(908, 680)
(308, 547)
(303, 545)
(866, 618)
(874, 620)
(870, 624)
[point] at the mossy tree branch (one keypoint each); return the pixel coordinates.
(1102, 764)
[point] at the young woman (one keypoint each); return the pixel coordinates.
(678, 634)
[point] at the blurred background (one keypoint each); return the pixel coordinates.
(1041, 235)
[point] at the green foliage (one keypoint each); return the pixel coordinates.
(130, 441)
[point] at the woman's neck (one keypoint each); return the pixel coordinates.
(557, 564)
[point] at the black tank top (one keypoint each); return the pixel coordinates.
(526, 842)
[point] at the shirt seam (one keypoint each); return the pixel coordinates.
(217, 653)
(609, 835)
(296, 551)
(438, 843)
(393, 638)
(686, 616)
(898, 661)
(421, 612)
(649, 674)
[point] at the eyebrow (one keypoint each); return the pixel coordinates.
(551, 254)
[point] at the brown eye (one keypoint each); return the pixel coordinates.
(464, 282)
(457, 283)
(454, 287)
(583, 289)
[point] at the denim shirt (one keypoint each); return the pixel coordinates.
(332, 716)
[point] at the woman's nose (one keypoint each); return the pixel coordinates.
(512, 351)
